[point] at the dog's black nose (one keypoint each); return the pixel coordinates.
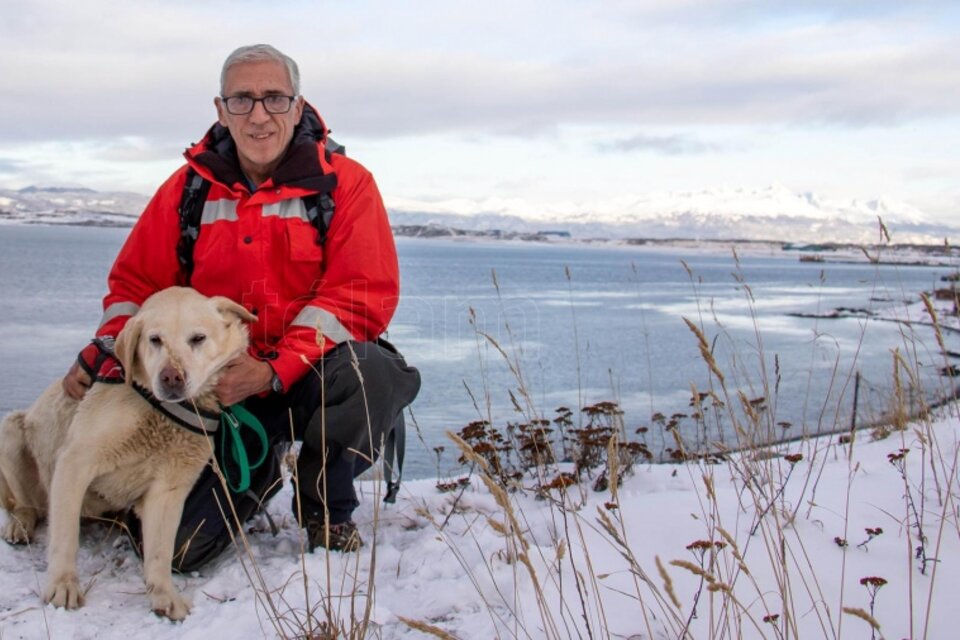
(172, 381)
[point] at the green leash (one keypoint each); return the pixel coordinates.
(232, 420)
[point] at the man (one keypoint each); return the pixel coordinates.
(316, 367)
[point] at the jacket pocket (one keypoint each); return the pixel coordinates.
(303, 266)
(302, 243)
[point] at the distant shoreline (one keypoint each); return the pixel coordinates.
(900, 254)
(905, 254)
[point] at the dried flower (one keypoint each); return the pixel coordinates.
(893, 458)
(873, 581)
(704, 545)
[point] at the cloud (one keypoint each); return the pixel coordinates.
(439, 92)
(10, 166)
(845, 75)
(139, 149)
(150, 69)
(674, 145)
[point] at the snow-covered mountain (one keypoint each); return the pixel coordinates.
(70, 205)
(774, 213)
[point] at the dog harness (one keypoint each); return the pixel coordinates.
(98, 361)
(208, 423)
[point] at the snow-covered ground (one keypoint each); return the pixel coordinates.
(441, 559)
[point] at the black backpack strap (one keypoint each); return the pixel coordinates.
(332, 146)
(320, 206)
(194, 194)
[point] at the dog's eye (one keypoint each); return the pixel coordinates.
(156, 341)
(197, 339)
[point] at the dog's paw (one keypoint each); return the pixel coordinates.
(17, 531)
(64, 592)
(169, 604)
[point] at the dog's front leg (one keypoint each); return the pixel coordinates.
(160, 512)
(72, 475)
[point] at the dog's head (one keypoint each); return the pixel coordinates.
(178, 341)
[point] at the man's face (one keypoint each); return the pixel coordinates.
(261, 137)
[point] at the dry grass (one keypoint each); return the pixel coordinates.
(774, 481)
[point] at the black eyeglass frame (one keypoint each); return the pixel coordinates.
(253, 104)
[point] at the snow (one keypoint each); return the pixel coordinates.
(438, 558)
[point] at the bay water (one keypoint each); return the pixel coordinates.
(554, 324)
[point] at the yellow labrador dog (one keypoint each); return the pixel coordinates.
(114, 450)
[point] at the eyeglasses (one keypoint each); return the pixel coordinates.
(242, 105)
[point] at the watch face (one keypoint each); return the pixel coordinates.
(276, 384)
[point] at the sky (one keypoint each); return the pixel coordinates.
(500, 106)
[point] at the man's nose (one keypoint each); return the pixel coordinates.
(259, 113)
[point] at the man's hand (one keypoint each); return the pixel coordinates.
(243, 377)
(76, 382)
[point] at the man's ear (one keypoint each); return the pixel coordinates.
(299, 107)
(125, 347)
(221, 111)
(228, 307)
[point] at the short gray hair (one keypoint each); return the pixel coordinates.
(261, 53)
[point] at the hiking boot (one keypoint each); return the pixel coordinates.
(335, 537)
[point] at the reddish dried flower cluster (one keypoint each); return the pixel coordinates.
(453, 485)
(561, 481)
(510, 453)
(704, 545)
(793, 458)
(894, 458)
(873, 581)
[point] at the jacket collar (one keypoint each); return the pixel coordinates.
(300, 166)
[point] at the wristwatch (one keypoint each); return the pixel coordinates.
(276, 384)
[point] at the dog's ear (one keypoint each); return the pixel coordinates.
(228, 307)
(125, 347)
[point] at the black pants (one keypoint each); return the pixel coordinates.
(342, 413)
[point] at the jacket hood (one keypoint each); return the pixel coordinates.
(300, 166)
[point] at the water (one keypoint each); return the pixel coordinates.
(611, 330)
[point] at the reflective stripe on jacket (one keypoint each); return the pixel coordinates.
(260, 250)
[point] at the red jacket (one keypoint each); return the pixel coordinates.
(260, 250)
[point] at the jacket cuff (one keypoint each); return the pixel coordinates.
(290, 366)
